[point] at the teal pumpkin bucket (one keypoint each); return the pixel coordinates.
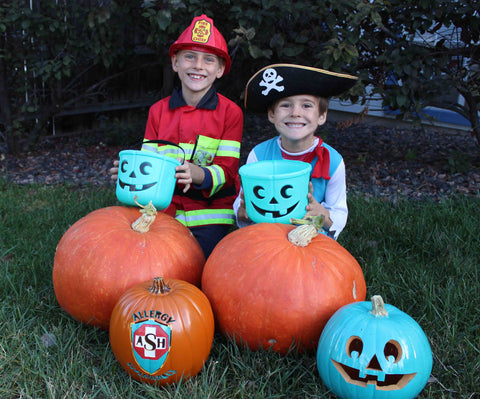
(146, 176)
(275, 191)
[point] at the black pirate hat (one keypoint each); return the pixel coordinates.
(277, 81)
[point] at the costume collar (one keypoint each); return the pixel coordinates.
(208, 101)
(295, 154)
(322, 166)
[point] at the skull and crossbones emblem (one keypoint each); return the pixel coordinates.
(270, 80)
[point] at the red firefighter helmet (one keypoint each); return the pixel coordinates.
(202, 35)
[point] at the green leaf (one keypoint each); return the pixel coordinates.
(277, 41)
(254, 51)
(351, 51)
(164, 19)
(401, 100)
(250, 33)
(337, 53)
(292, 51)
(376, 18)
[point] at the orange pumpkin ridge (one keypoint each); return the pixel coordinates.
(101, 256)
(271, 293)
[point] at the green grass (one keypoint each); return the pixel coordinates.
(422, 257)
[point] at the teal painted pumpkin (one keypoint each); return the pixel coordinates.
(372, 350)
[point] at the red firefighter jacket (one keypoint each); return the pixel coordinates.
(210, 135)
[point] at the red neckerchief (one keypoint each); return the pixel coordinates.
(322, 167)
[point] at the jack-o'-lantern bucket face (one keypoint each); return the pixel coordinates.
(145, 177)
(275, 191)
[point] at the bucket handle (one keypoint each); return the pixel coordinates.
(159, 141)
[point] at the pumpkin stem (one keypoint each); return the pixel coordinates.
(159, 286)
(317, 221)
(142, 224)
(303, 234)
(378, 306)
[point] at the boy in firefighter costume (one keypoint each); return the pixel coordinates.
(296, 100)
(207, 126)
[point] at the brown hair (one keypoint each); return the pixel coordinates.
(323, 104)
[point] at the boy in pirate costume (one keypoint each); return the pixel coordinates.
(207, 126)
(296, 100)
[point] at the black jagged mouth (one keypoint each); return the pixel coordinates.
(391, 382)
(275, 214)
(133, 187)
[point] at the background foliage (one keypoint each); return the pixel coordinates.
(66, 57)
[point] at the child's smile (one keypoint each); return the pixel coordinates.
(296, 118)
(295, 125)
(197, 71)
(195, 76)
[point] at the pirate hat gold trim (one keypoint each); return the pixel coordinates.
(277, 81)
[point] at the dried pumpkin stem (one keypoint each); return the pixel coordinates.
(302, 235)
(378, 306)
(159, 286)
(142, 224)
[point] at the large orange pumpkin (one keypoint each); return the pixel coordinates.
(270, 288)
(162, 332)
(110, 250)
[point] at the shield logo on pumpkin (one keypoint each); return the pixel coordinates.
(150, 344)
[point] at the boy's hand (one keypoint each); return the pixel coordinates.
(189, 174)
(183, 175)
(114, 171)
(314, 208)
(242, 210)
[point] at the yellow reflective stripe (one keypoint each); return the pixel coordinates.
(224, 148)
(204, 217)
(218, 178)
(162, 149)
(149, 147)
(209, 142)
(188, 148)
(229, 148)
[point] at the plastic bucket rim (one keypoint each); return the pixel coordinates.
(248, 170)
(148, 154)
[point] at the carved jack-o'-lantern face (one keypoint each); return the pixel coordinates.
(145, 177)
(278, 204)
(369, 370)
(127, 176)
(275, 191)
(373, 354)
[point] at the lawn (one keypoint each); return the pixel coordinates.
(422, 257)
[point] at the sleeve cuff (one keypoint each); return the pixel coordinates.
(207, 181)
